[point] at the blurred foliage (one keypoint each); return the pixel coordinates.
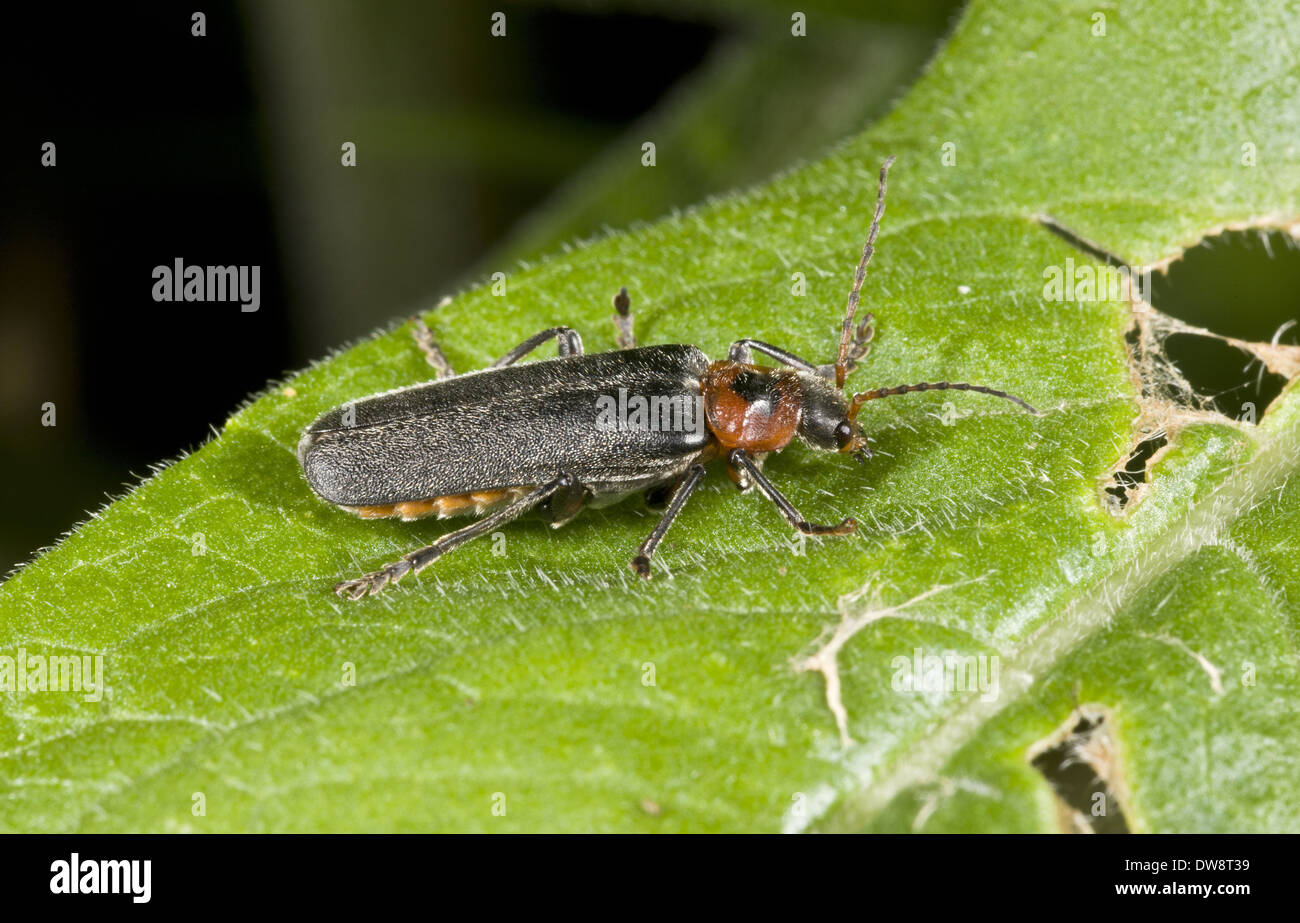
(459, 133)
(760, 105)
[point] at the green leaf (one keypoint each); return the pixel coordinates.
(1169, 626)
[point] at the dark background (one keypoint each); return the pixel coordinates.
(472, 152)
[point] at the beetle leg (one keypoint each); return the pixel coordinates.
(565, 503)
(623, 320)
(417, 561)
(570, 344)
(741, 458)
(861, 342)
(740, 477)
(740, 351)
(641, 563)
(657, 497)
(432, 353)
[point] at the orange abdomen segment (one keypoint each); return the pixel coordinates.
(750, 407)
(474, 504)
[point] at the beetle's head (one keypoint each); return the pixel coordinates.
(825, 422)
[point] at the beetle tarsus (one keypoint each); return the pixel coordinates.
(432, 352)
(355, 589)
(741, 459)
(623, 320)
(375, 582)
(641, 565)
(861, 343)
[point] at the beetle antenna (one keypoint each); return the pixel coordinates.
(876, 393)
(846, 333)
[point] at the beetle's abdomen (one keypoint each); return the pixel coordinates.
(471, 504)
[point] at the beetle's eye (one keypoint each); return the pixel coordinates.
(844, 434)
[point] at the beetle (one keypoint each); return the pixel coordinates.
(510, 438)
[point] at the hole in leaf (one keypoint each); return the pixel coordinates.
(1242, 284)
(1134, 473)
(1078, 762)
